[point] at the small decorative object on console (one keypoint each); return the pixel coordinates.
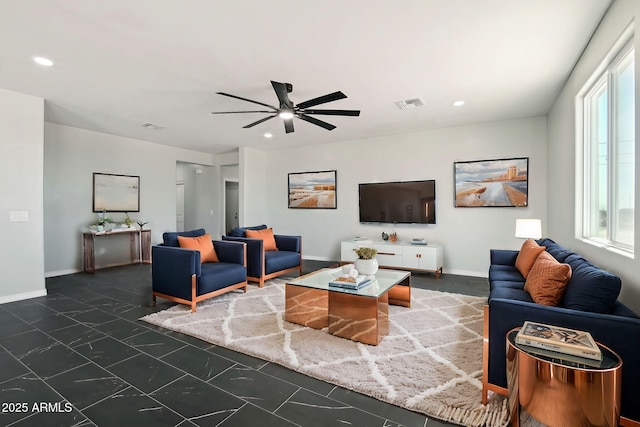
(418, 242)
(393, 237)
(561, 340)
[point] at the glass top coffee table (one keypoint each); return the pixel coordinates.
(360, 315)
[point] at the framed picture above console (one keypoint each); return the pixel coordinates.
(312, 190)
(492, 183)
(116, 193)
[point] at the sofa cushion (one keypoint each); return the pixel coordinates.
(560, 253)
(240, 231)
(266, 235)
(547, 280)
(171, 238)
(590, 288)
(510, 294)
(505, 273)
(203, 244)
(527, 256)
(506, 284)
(280, 260)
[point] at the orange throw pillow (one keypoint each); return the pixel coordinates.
(547, 280)
(266, 236)
(527, 256)
(201, 243)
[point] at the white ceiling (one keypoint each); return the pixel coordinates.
(121, 63)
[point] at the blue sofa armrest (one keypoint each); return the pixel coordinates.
(503, 256)
(610, 330)
(255, 254)
(231, 252)
(288, 243)
(172, 269)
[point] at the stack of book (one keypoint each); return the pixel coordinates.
(348, 282)
(558, 341)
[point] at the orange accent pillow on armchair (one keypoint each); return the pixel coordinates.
(201, 243)
(266, 236)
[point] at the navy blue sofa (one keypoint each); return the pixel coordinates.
(178, 275)
(264, 265)
(589, 303)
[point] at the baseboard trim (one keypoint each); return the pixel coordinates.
(317, 258)
(23, 296)
(466, 273)
(61, 272)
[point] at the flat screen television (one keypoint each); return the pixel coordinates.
(405, 202)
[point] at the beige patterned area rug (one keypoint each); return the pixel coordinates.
(431, 361)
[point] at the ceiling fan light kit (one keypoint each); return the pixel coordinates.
(287, 110)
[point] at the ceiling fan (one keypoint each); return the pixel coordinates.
(287, 110)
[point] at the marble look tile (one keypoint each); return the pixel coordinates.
(106, 351)
(63, 304)
(23, 344)
(298, 379)
(198, 401)
(154, 343)
(121, 329)
(55, 419)
(30, 312)
(394, 414)
(256, 387)
(91, 317)
(235, 356)
(10, 367)
(53, 360)
(145, 372)
(52, 322)
(199, 363)
(27, 389)
(86, 385)
(313, 410)
(248, 414)
(132, 408)
(76, 335)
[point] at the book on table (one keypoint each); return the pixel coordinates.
(559, 339)
(348, 282)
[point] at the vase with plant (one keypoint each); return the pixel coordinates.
(102, 222)
(366, 263)
(127, 221)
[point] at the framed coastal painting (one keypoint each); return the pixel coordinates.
(492, 183)
(312, 190)
(116, 193)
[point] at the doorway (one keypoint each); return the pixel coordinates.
(180, 206)
(231, 205)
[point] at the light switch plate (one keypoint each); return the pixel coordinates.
(15, 216)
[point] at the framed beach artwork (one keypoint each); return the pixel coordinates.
(312, 190)
(492, 183)
(116, 193)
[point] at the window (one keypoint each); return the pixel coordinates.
(609, 155)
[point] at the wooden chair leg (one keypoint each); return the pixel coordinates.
(153, 300)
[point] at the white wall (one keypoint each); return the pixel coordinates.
(21, 159)
(562, 153)
(71, 157)
(467, 234)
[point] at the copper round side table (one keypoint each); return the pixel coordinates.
(563, 392)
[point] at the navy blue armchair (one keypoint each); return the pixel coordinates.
(178, 275)
(264, 265)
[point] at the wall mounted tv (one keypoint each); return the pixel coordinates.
(406, 202)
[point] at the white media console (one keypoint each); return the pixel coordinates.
(402, 255)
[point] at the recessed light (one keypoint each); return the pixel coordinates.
(268, 135)
(43, 61)
(458, 103)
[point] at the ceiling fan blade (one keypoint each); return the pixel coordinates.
(245, 99)
(288, 125)
(322, 99)
(235, 112)
(250, 125)
(334, 112)
(281, 91)
(327, 126)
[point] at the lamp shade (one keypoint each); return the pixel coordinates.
(528, 228)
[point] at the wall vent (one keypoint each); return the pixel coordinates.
(154, 126)
(410, 103)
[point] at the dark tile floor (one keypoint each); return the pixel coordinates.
(80, 357)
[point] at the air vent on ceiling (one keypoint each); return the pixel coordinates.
(152, 126)
(410, 103)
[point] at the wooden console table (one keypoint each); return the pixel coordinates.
(139, 246)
